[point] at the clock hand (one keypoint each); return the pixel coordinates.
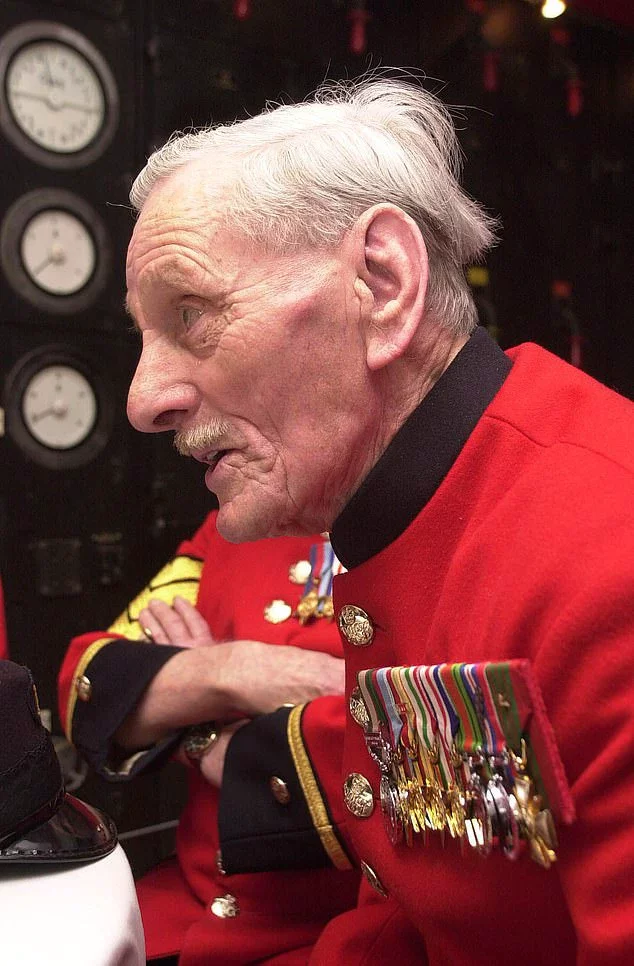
(30, 96)
(56, 256)
(35, 417)
(80, 107)
(51, 101)
(40, 268)
(59, 409)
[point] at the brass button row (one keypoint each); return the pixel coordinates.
(358, 629)
(226, 907)
(359, 800)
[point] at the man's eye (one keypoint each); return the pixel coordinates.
(189, 316)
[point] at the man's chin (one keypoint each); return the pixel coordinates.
(242, 527)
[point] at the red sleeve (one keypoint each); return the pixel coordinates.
(593, 717)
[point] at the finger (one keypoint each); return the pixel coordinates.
(173, 628)
(192, 618)
(151, 628)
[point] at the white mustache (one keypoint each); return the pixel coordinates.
(201, 438)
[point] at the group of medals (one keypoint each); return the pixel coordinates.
(453, 758)
(316, 576)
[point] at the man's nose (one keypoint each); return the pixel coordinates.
(158, 399)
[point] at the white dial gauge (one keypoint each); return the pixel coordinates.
(54, 250)
(58, 252)
(55, 96)
(59, 407)
(60, 102)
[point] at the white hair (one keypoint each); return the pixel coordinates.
(305, 172)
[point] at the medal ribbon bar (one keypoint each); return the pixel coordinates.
(467, 748)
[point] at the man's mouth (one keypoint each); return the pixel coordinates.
(212, 458)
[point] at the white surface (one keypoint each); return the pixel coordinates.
(86, 915)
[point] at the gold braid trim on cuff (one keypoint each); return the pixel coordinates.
(310, 788)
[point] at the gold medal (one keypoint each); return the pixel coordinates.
(307, 606)
(327, 608)
(277, 611)
(536, 823)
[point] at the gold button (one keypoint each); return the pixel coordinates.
(280, 790)
(358, 709)
(298, 573)
(355, 625)
(225, 907)
(357, 795)
(219, 865)
(373, 879)
(83, 687)
(277, 612)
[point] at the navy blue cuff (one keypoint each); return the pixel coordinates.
(258, 831)
(119, 674)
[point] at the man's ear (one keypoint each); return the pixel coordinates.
(392, 269)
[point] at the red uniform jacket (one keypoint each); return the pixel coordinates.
(525, 549)
(282, 911)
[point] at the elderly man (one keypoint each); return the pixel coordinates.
(309, 336)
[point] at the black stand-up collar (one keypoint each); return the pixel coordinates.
(421, 454)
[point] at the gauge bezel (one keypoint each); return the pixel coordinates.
(17, 383)
(21, 37)
(12, 229)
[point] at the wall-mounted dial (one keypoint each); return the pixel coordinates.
(57, 410)
(59, 104)
(55, 96)
(54, 250)
(58, 251)
(59, 406)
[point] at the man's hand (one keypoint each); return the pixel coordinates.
(220, 681)
(212, 763)
(179, 624)
(257, 678)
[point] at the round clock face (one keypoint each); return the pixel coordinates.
(54, 250)
(58, 99)
(58, 252)
(59, 411)
(59, 407)
(55, 96)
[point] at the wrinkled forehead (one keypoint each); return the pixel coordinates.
(184, 208)
(202, 184)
